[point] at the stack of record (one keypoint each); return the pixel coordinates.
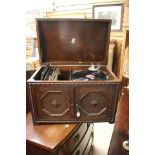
(50, 73)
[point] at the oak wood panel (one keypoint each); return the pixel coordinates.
(50, 101)
(73, 40)
(94, 102)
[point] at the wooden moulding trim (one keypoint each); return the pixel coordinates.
(110, 82)
(31, 104)
(70, 121)
(115, 105)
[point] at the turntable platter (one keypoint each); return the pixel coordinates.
(86, 75)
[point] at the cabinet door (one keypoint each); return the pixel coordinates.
(94, 103)
(53, 102)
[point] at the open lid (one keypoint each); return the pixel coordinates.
(73, 41)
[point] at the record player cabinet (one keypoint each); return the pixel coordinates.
(73, 44)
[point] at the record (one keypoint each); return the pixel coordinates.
(85, 75)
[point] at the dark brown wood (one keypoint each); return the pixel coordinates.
(56, 139)
(73, 44)
(28, 75)
(95, 102)
(59, 101)
(121, 128)
(73, 41)
(53, 102)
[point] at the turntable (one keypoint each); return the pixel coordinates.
(73, 83)
(91, 74)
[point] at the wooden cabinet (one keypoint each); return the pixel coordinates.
(71, 46)
(63, 139)
(68, 103)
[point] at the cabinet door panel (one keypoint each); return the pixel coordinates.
(93, 103)
(53, 102)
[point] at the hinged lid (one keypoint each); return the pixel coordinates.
(73, 41)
